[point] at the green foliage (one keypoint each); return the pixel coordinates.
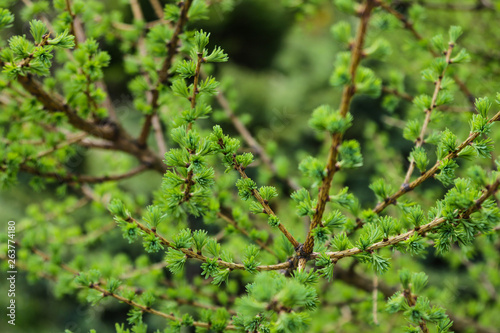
(325, 119)
(350, 154)
(246, 186)
(312, 168)
(113, 114)
(419, 157)
(305, 206)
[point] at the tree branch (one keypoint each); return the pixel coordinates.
(267, 209)
(192, 254)
(250, 140)
(420, 140)
(409, 26)
(82, 179)
(362, 282)
(347, 95)
(491, 189)
(428, 174)
(163, 75)
(244, 232)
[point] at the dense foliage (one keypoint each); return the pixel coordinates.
(339, 174)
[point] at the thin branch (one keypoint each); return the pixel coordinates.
(197, 304)
(159, 138)
(55, 103)
(154, 119)
(92, 235)
(136, 10)
(194, 255)
(82, 179)
(480, 5)
(491, 189)
(375, 299)
(199, 61)
(265, 205)
(250, 140)
(148, 309)
(428, 174)
(163, 74)
(72, 24)
(89, 143)
(142, 271)
(397, 93)
(189, 179)
(411, 299)
(420, 140)
(106, 293)
(432, 171)
(410, 27)
(110, 131)
(244, 232)
(362, 282)
(70, 141)
(79, 33)
(347, 95)
(157, 7)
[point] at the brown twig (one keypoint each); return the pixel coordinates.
(411, 299)
(110, 131)
(105, 293)
(157, 7)
(152, 119)
(70, 141)
(136, 10)
(428, 174)
(82, 179)
(397, 93)
(148, 309)
(420, 140)
(266, 208)
(250, 140)
(163, 74)
(491, 189)
(362, 282)
(480, 5)
(194, 255)
(347, 95)
(375, 299)
(72, 24)
(410, 27)
(244, 232)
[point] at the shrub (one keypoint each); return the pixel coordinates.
(194, 208)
